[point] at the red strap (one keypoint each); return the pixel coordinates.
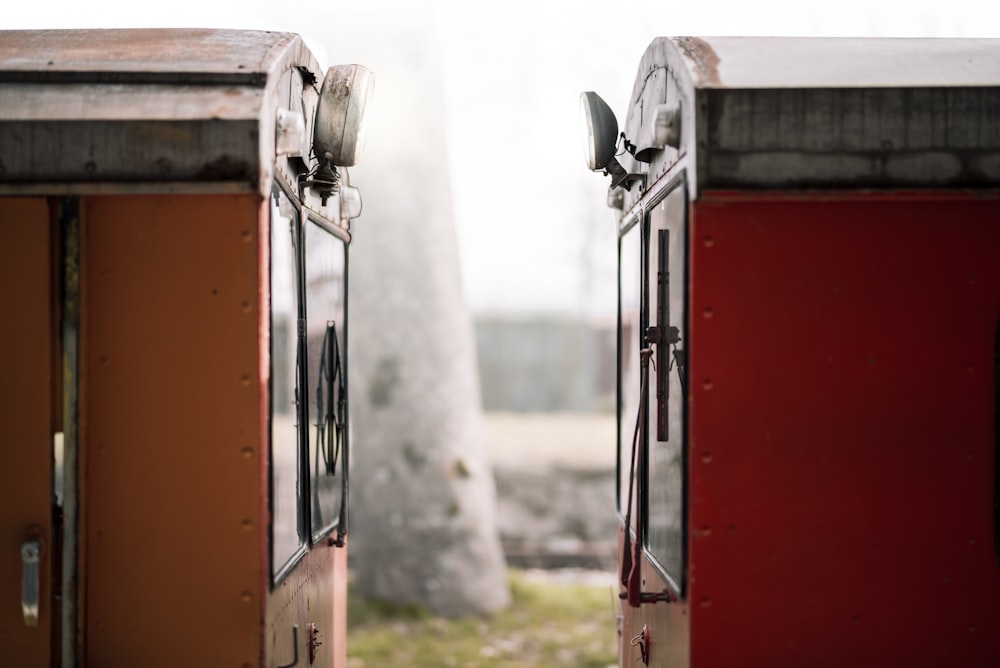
(631, 576)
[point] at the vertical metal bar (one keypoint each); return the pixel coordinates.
(345, 445)
(663, 328)
(69, 224)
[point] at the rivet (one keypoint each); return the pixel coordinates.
(103, 360)
(707, 458)
(706, 531)
(247, 453)
(709, 241)
(706, 602)
(707, 384)
(245, 380)
(246, 597)
(246, 307)
(707, 313)
(247, 525)
(972, 279)
(247, 236)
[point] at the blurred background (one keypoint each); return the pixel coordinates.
(475, 123)
(476, 196)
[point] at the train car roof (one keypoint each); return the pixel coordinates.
(141, 56)
(839, 62)
(176, 108)
(792, 113)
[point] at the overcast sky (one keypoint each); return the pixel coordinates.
(534, 234)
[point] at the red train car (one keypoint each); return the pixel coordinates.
(809, 305)
(174, 226)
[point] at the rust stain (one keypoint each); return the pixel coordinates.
(705, 59)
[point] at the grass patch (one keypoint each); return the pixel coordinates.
(548, 623)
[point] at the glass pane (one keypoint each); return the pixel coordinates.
(285, 540)
(630, 263)
(665, 528)
(325, 327)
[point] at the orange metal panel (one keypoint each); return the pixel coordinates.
(171, 395)
(26, 420)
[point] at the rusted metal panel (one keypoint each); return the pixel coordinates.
(86, 110)
(944, 137)
(130, 152)
(44, 102)
(824, 113)
(237, 57)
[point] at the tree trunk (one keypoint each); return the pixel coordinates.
(423, 502)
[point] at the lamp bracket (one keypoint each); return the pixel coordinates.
(621, 177)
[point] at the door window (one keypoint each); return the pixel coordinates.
(325, 261)
(666, 280)
(286, 535)
(629, 343)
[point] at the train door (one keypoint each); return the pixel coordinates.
(31, 416)
(653, 427)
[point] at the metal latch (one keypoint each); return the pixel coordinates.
(31, 552)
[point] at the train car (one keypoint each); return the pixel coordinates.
(809, 291)
(174, 224)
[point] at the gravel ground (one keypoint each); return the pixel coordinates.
(555, 485)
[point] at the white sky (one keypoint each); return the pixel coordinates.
(533, 230)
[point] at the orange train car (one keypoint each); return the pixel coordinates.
(174, 224)
(809, 290)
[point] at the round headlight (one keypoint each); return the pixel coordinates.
(601, 130)
(339, 128)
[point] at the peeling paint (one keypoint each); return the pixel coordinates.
(706, 61)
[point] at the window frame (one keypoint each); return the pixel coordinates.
(307, 538)
(317, 536)
(675, 580)
(279, 571)
(626, 422)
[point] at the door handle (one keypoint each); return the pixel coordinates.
(31, 552)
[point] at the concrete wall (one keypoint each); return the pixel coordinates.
(545, 364)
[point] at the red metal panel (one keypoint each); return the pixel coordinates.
(668, 641)
(842, 430)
